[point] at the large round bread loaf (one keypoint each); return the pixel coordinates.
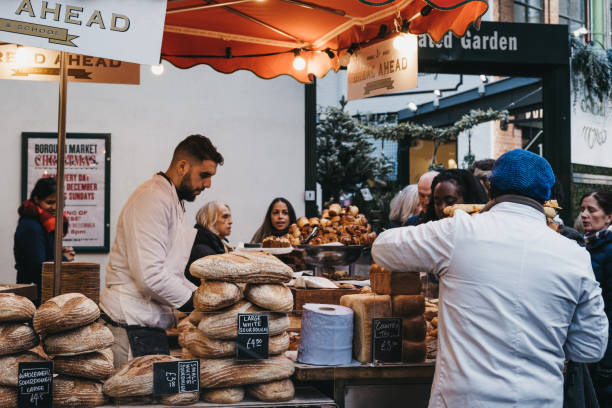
(274, 391)
(15, 308)
(249, 267)
(276, 297)
(231, 395)
(65, 312)
(203, 347)
(135, 377)
(96, 366)
(215, 295)
(17, 337)
(71, 392)
(228, 372)
(82, 340)
(9, 366)
(186, 398)
(224, 325)
(8, 397)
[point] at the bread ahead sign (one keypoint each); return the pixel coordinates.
(126, 30)
(388, 66)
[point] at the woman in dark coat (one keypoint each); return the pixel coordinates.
(34, 237)
(596, 216)
(214, 225)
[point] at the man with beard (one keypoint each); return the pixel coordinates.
(144, 280)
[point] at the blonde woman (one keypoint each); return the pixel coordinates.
(214, 225)
(404, 205)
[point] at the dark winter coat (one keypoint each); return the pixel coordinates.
(32, 246)
(206, 243)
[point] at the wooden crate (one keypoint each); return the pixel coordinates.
(79, 277)
(22, 289)
(324, 296)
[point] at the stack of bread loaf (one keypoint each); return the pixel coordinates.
(79, 347)
(395, 294)
(431, 318)
(16, 337)
(240, 282)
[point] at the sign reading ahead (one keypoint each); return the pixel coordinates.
(381, 68)
(591, 131)
(118, 29)
(38, 64)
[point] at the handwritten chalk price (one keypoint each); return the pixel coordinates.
(253, 335)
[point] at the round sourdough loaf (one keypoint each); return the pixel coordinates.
(71, 392)
(9, 366)
(224, 325)
(82, 340)
(215, 295)
(96, 366)
(248, 267)
(274, 391)
(8, 397)
(201, 346)
(17, 337)
(65, 312)
(228, 372)
(270, 296)
(231, 395)
(15, 308)
(186, 398)
(135, 378)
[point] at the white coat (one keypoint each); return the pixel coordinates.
(145, 279)
(516, 299)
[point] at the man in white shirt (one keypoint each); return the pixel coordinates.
(145, 279)
(516, 298)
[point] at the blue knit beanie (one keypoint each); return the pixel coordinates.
(523, 172)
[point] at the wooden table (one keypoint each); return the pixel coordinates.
(306, 372)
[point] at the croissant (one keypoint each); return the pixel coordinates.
(302, 222)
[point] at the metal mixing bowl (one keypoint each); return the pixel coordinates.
(331, 255)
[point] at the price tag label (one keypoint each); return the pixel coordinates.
(387, 340)
(253, 334)
(35, 382)
(176, 377)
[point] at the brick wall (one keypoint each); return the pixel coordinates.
(505, 140)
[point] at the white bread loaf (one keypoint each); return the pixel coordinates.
(186, 398)
(15, 308)
(275, 391)
(135, 377)
(249, 267)
(203, 347)
(366, 307)
(9, 366)
(17, 337)
(215, 295)
(82, 340)
(69, 392)
(231, 395)
(228, 372)
(224, 325)
(96, 366)
(8, 397)
(276, 297)
(65, 312)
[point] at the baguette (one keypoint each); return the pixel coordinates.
(468, 208)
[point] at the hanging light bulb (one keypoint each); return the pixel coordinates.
(345, 59)
(299, 63)
(22, 57)
(401, 42)
(157, 69)
(412, 106)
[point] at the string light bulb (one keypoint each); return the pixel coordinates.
(345, 59)
(22, 57)
(157, 69)
(401, 42)
(299, 63)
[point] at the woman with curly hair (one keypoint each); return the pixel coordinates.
(455, 186)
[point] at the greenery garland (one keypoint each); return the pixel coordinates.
(591, 70)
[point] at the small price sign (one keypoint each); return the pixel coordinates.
(176, 377)
(387, 340)
(253, 334)
(35, 382)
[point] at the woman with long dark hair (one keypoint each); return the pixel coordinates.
(279, 217)
(455, 186)
(596, 216)
(34, 237)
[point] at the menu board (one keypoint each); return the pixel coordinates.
(387, 340)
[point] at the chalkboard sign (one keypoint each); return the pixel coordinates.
(35, 383)
(387, 340)
(252, 341)
(176, 377)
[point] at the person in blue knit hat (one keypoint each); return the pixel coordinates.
(516, 298)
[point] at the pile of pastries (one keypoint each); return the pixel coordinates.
(344, 225)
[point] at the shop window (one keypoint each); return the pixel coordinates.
(572, 13)
(529, 11)
(421, 152)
